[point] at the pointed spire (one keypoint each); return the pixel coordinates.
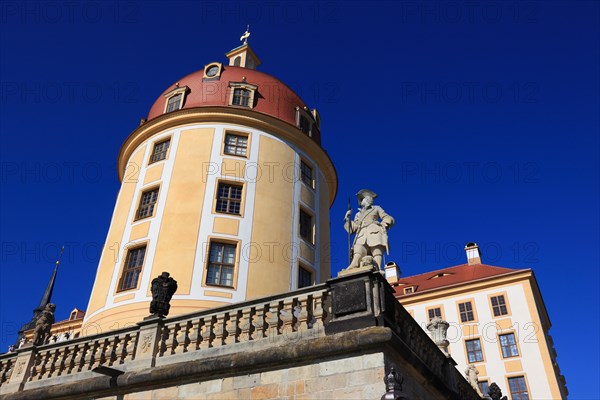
(48, 293)
(46, 298)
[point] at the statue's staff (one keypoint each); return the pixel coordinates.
(349, 233)
(62, 250)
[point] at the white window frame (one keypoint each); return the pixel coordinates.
(178, 90)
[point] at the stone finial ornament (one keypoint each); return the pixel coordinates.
(162, 287)
(471, 374)
(43, 324)
(370, 225)
(495, 393)
(393, 384)
(438, 328)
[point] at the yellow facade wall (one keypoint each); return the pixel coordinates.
(307, 196)
(115, 232)
(226, 225)
(139, 231)
(271, 229)
(178, 236)
(153, 173)
(513, 366)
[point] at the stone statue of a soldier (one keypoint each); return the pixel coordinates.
(43, 324)
(162, 287)
(370, 225)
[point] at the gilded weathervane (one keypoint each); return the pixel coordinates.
(246, 35)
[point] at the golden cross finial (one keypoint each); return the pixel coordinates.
(246, 35)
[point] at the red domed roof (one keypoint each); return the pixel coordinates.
(272, 96)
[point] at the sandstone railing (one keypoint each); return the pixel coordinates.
(156, 338)
(180, 345)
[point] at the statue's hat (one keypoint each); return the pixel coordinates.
(365, 192)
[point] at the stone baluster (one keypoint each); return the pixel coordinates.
(287, 317)
(318, 311)
(63, 362)
(120, 350)
(245, 325)
(5, 370)
(58, 362)
(112, 350)
(272, 319)
(46, 365)
(259, 324)
(301, 314)
(37, 369)
(207, 333)
(92, 355)
(130, 346)
(125, 348)
(164, 344)
(83, 358)
(182, 339)
(195, 335)
(50, 363)
(71, 360)
(104, 352)
(172, 343)
(219, 330)
(232, 328)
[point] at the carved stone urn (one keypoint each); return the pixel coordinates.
(438, 328)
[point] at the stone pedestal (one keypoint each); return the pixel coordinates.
(352, 271)
(148, 341)
(20, 372)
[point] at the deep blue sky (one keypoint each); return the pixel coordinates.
(473, 122)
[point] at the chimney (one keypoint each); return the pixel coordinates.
(392, 272)
(473, 254)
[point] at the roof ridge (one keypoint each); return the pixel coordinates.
(458, 266)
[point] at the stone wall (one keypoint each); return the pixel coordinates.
(356, 377)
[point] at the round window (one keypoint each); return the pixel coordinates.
(212, 70)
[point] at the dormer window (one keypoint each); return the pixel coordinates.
(174, 103)
(242, 94)
(241, 97)
(409, 290)
(304, 125)
(305, 121)
(441, 274)
(175, 99)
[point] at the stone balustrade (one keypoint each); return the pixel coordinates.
(155, 338)
(344, 315)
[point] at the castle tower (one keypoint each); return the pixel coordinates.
(225, 185)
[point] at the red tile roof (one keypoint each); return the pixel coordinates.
(449, 276)
(274, 97)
